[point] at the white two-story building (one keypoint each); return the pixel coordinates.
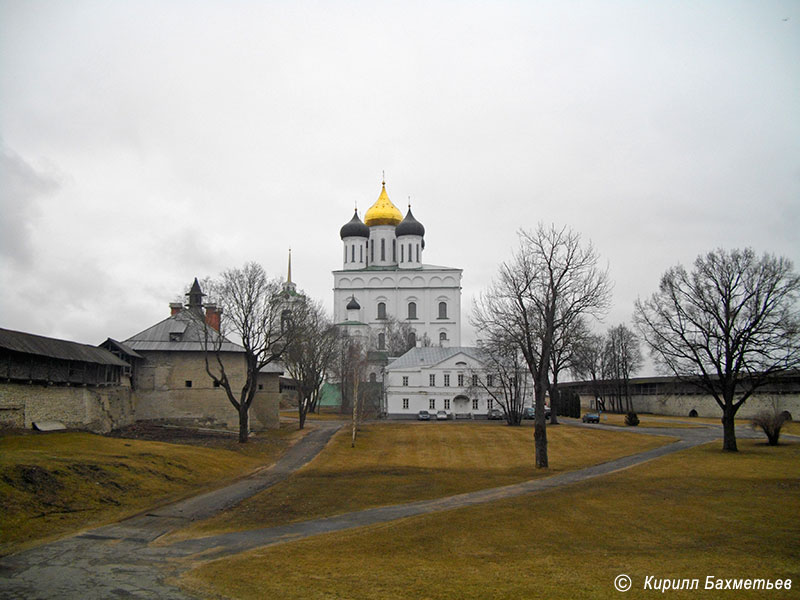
(436, 378)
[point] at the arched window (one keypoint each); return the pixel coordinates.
(373, 378)
(443, 337)
(402, 253)
(410, 259)
(381, 310)
(381, 341)
(353, 253)
(361, 254)
(394, 251)
(383, 249)
(442, 310)
(412, 310)
(372, 251)
(412, 339)
(417, 252)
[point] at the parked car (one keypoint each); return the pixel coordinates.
(442, 415)
(423, 415)
(494, 414)
(530, 413)
(591, 418)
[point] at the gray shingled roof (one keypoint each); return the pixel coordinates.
(188, 331)
(27, 343)
(427, 357)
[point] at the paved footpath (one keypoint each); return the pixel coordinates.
(117, 561)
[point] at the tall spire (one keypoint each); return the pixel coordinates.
(289, 288)
(289, 274)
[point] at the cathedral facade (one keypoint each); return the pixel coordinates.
(383, 276)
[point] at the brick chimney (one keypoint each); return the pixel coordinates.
(213, 316)
(175, 308)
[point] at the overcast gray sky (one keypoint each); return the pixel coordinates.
(146, 143)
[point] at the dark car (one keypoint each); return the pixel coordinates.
(494, 414)
(591, 418)
(424, 415)
(530, 413)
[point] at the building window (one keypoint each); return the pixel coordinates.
(417, 252)
(447, 380)
(402, 253)
(372, 251)
(373, 378)
(412, 310)
(489, 380)
(405, 403)
(409, 252)
(383, 249)
(442, 310)
(260, 386)
(353, 253)
(474, 380)
(361, 254)
(432, 379)
(489, 404)
(442, 337)
(412, 339)
(460, 380)
(405, 380)
(432, 404)
(394, 251)
(475, 404)
(381, 341)
(345, 254)
(188, 383)
(447, 403)
(381, 310)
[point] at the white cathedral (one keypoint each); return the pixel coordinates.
(383, 276)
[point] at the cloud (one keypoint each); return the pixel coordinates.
(23, 189)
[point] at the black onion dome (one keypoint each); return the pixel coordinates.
(409, 226)
(353, 304)
(354, 228)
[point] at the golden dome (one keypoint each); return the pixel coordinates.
(383, 212)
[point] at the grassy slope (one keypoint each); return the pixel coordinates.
(51, 484)
(691, 514)
(395, 463)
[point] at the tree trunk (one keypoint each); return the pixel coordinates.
(540, 443)
(554, 403)
(728, 428)
(244, 423)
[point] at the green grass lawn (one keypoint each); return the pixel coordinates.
(687, 515)
(402, 462)
(57, 483)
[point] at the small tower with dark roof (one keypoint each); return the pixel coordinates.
(195, 295)
(410, 241)
(355, 236)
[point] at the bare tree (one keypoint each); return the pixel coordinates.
(504, 377)
(252, 310)
(310, 351)
(395, 338)
(588, 364)
(353, 369)
(622, 358)
(727, 327)
(566, 343)
(551, 280)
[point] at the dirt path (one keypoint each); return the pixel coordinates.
(117, 561)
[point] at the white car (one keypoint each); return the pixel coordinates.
(442, 415)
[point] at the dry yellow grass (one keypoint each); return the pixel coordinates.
(396, 463)
(688, 515)
(52, 484)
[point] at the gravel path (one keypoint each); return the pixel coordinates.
(116, 561)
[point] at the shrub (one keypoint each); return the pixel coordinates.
(770, 422)
(631, 419)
